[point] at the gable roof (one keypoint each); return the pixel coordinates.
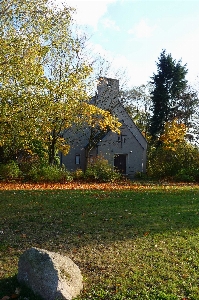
(124, 117)
(107, 98)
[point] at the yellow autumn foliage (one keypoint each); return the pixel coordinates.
(174, 133)
(62, 146)
(44, 78)
(96, 116)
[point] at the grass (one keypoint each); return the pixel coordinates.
(129, 244)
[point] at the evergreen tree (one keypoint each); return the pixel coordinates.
(170, 88)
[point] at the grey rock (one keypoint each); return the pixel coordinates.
(49, 274)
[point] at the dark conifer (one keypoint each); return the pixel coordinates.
(170, 85)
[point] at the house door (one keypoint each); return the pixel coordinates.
(120, 163)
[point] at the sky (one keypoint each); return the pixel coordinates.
(131, 34)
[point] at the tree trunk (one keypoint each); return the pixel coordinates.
(51, 151)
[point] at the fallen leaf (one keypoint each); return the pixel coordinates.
(14, 296)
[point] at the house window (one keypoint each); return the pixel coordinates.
(77, 159)
(121, 139)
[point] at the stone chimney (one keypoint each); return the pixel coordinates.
(107, 93)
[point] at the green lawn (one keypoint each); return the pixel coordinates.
(139, 244)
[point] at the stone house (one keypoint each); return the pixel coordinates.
(126, 151)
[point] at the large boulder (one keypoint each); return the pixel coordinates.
(49, 274)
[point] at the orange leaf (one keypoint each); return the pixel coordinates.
(14, 296)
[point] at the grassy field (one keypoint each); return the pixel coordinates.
(129, 244)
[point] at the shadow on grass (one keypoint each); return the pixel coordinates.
(67, 219)
(63, 221)
(10, 286)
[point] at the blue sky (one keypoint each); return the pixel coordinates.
(132, 33)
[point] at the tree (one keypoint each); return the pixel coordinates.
(44, 77)
(21, 74)
(171, 96)
(137, 102)
(97, 128)
(173, 134)
(175, 157)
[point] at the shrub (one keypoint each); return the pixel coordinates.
(99, 169)
(9, 171)
(140, 175)
(181, 164)
(188, 175)
(78, 174)
(49, 173)
(28, 163)
(183, 177)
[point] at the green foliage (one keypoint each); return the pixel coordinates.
(190, 174)
(9, 171)
(140, 176)
(34, 170)
(180, 165)
(49, 173)
(78, 174)
(170, 95)
(99, 169)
